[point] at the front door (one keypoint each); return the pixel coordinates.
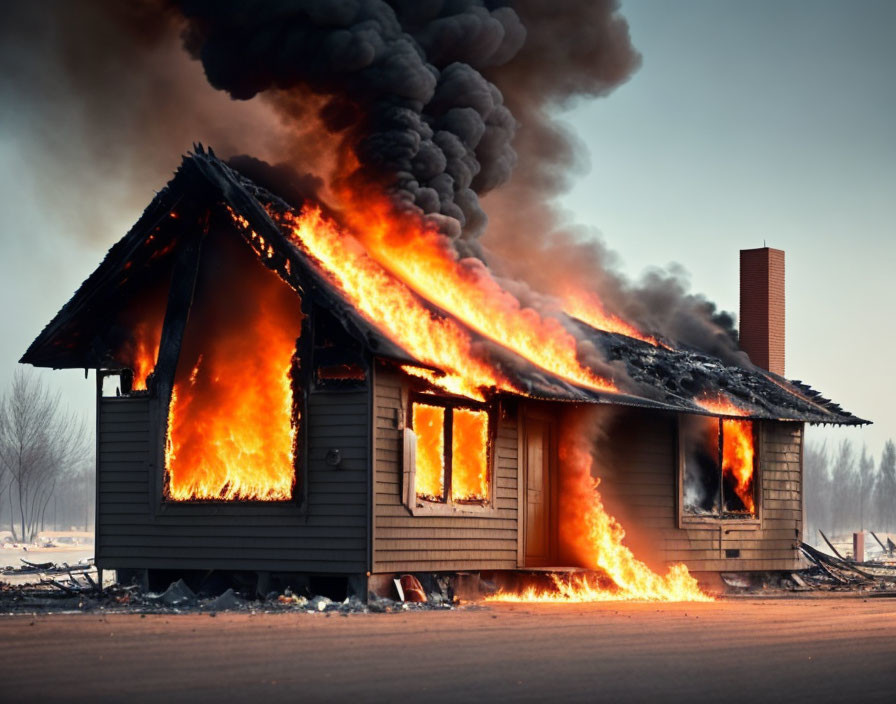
(537, 476)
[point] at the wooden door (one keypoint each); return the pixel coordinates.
(536, 458)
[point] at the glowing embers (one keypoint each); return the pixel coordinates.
(233, 420)
(719, 467)
(451, 461)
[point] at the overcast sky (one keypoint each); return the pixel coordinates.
(748, 123)
(753, 122)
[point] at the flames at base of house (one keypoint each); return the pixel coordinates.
(583, 588)
(593, 538)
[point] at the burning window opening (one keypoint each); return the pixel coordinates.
(469, 456)
(452, 452)
(428, 423)
(719, 467)
(234, 415)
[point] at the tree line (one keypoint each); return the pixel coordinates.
(848, 491)
(46, 461)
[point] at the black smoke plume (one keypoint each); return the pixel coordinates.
(438, 102)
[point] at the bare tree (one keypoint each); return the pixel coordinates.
(844, 496)
(817, 485)
(866, 490)
(886, 488)
(39, 441)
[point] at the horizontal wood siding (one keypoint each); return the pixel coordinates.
(136, 530)
(406, 543)
(639, 469)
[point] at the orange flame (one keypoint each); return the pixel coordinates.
(231, 421)
(387, 302)
(424, 259)
(594, 537)
(143, 313)
(147, 338)
(469, 455)
(588, 308)
(721, 405)
(738, 449)
(430, 466)
(737, 459)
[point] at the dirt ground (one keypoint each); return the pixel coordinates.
(789, 650)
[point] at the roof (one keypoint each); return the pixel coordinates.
(657, 377)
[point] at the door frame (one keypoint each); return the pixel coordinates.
(542, 413)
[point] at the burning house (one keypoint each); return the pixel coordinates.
(274, 397)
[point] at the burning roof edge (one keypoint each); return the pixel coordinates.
(248, 200)
(685, 376)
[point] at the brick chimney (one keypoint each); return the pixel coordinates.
(762, 307)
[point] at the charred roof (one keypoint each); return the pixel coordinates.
(657, 377)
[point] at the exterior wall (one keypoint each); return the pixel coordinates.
(406, 543)
(136, 529)
(762, 307)
(638, 461)
(640, 486)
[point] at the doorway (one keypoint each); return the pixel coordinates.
(539, 491)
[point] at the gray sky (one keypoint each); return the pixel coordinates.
(748, 122)
(763, 121)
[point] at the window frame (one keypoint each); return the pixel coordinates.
(419, 506)
(740, 523)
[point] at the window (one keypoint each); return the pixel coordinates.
(235, 417)
(719, 476)
(450, 452)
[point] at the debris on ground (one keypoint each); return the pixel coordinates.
(410, 589)
(47, 567)
(836, 575)
(60, 588)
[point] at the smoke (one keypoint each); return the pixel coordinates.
(402, 83)
(529, 237)
(101, 98)
(438, 103)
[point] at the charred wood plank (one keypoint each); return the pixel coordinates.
(834, 563)
(824, 568)
(38, 565)
(873, 535)
(830, 545)
(180, 300)
(63, 587)
(92, 582)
